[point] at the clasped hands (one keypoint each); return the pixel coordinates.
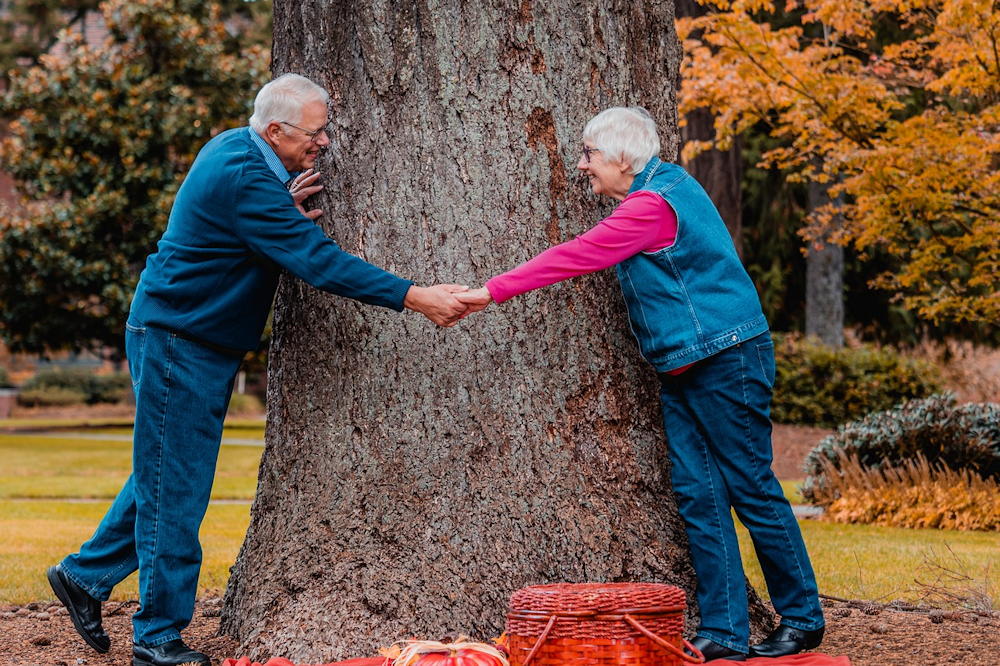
(446, 304)
(443, 304)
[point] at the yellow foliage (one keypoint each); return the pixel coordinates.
(907, 133)
(916, 494)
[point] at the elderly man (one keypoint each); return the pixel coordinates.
(201, 303)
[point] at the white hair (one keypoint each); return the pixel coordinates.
(624, 133)
(282, 100)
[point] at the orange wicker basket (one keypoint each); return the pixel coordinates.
(598, 624)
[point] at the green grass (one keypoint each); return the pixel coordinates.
(854, 561)
(37, 467)
(39, 534)
(884, 563)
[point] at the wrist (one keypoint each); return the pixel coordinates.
(414, 295)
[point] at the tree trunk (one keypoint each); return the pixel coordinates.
(413, 476)
(719, 171)
(824, 281)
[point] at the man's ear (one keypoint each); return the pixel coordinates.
(273, 132)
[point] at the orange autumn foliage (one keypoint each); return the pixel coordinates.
(904, 124)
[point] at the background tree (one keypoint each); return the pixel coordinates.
(414, 477)
(98, 144)
(903, 126)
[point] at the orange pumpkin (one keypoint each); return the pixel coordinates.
(460, 653)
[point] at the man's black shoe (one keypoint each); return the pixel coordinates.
(170, 653)
(713, 650)
(787, 640)
(84, 610)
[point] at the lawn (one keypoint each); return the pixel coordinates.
(37, 534)
(884, 563)
(68, 467)
(854, 561)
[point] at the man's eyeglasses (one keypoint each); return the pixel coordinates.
(587, 151)
(313, 135)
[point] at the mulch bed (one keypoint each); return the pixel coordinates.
(870, 634)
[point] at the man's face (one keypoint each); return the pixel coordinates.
(293, 144)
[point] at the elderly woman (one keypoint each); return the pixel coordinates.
(698, 321)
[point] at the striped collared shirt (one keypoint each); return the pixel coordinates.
(270, 157)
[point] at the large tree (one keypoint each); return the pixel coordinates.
(414, 477)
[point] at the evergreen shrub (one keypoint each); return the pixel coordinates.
(93, 388)
(4, 378)
(50, 396)
(960, 437)
(819, 385)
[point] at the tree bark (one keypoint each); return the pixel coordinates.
(824, 281)
(414, 477)
(719, 171)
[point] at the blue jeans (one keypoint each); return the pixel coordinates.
(182, 391)
(717, 419)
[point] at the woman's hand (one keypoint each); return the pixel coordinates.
(303, 187)
(475, 299)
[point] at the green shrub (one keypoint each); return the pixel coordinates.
(4, 379)
(112, 388)
(822, 386)
(93, 388)
(50, 396)
(245, 403)
(962, 437)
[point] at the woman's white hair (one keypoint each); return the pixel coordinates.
(282, 100)
(624, 133)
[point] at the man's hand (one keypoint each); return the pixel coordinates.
(437, 303)
(304, 186)
(475, 299)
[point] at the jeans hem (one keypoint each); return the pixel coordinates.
(83, 586)
(732, 645)
(172, 636)
(803, 626)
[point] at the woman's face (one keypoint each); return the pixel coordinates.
(612, 178)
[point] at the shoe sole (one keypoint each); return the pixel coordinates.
(138, 661)
(57, 586)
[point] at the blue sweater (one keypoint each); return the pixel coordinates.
(232, 228)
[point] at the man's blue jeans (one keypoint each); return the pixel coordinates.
(717, 419)
(182, 390)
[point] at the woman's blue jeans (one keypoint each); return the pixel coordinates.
(717, 419)
(182, 390)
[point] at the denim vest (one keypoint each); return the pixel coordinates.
(694, 298)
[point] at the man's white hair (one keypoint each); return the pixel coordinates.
(282, 100)
(624, 133)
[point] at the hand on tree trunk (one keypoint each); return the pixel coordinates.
(302, 188)
(437, 303)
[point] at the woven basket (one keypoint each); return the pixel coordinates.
(598, 624)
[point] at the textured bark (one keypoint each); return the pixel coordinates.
(718, 171)
(824, 282)
(414, 477)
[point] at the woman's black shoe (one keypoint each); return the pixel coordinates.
(713, 650)
(171, 653)
(787, 640)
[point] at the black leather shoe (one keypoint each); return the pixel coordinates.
(84, 610)
(787, 640)
(713, 650)
(171, 653)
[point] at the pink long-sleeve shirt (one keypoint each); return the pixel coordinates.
(643, 222)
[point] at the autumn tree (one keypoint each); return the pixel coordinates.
(414, 477)
(98, 142)
(903, 129)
